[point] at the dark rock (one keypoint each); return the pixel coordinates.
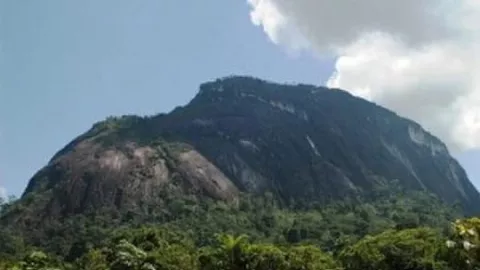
(241, 133)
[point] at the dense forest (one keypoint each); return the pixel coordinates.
(391, 231)
(250, 175)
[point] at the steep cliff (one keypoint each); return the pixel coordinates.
(239, 134)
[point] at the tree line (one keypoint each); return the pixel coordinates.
(405, 230)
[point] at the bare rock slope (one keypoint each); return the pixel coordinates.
(245, 134)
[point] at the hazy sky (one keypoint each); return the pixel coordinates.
(67, 64)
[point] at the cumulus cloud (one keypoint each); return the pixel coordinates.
(419, 58)
(277, 26)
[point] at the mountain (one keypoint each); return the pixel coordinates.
(243, 134)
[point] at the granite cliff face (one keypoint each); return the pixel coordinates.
(245, 134)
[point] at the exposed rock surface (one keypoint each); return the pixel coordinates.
(246, 134)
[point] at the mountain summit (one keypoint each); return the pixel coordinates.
(242, 134)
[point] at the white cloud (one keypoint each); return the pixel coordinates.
(433, 85)
(3, 192)
(277, 26)
(410, 56)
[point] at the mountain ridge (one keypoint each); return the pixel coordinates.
(299, 142)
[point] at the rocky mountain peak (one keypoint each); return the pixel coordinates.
(243, 134)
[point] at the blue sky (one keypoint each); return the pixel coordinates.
(67, 64)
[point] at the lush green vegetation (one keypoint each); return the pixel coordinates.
(393, 231)
(300, 138)
(163, 248)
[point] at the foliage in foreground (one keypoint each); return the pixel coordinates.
(392, 232)
(161, 248)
